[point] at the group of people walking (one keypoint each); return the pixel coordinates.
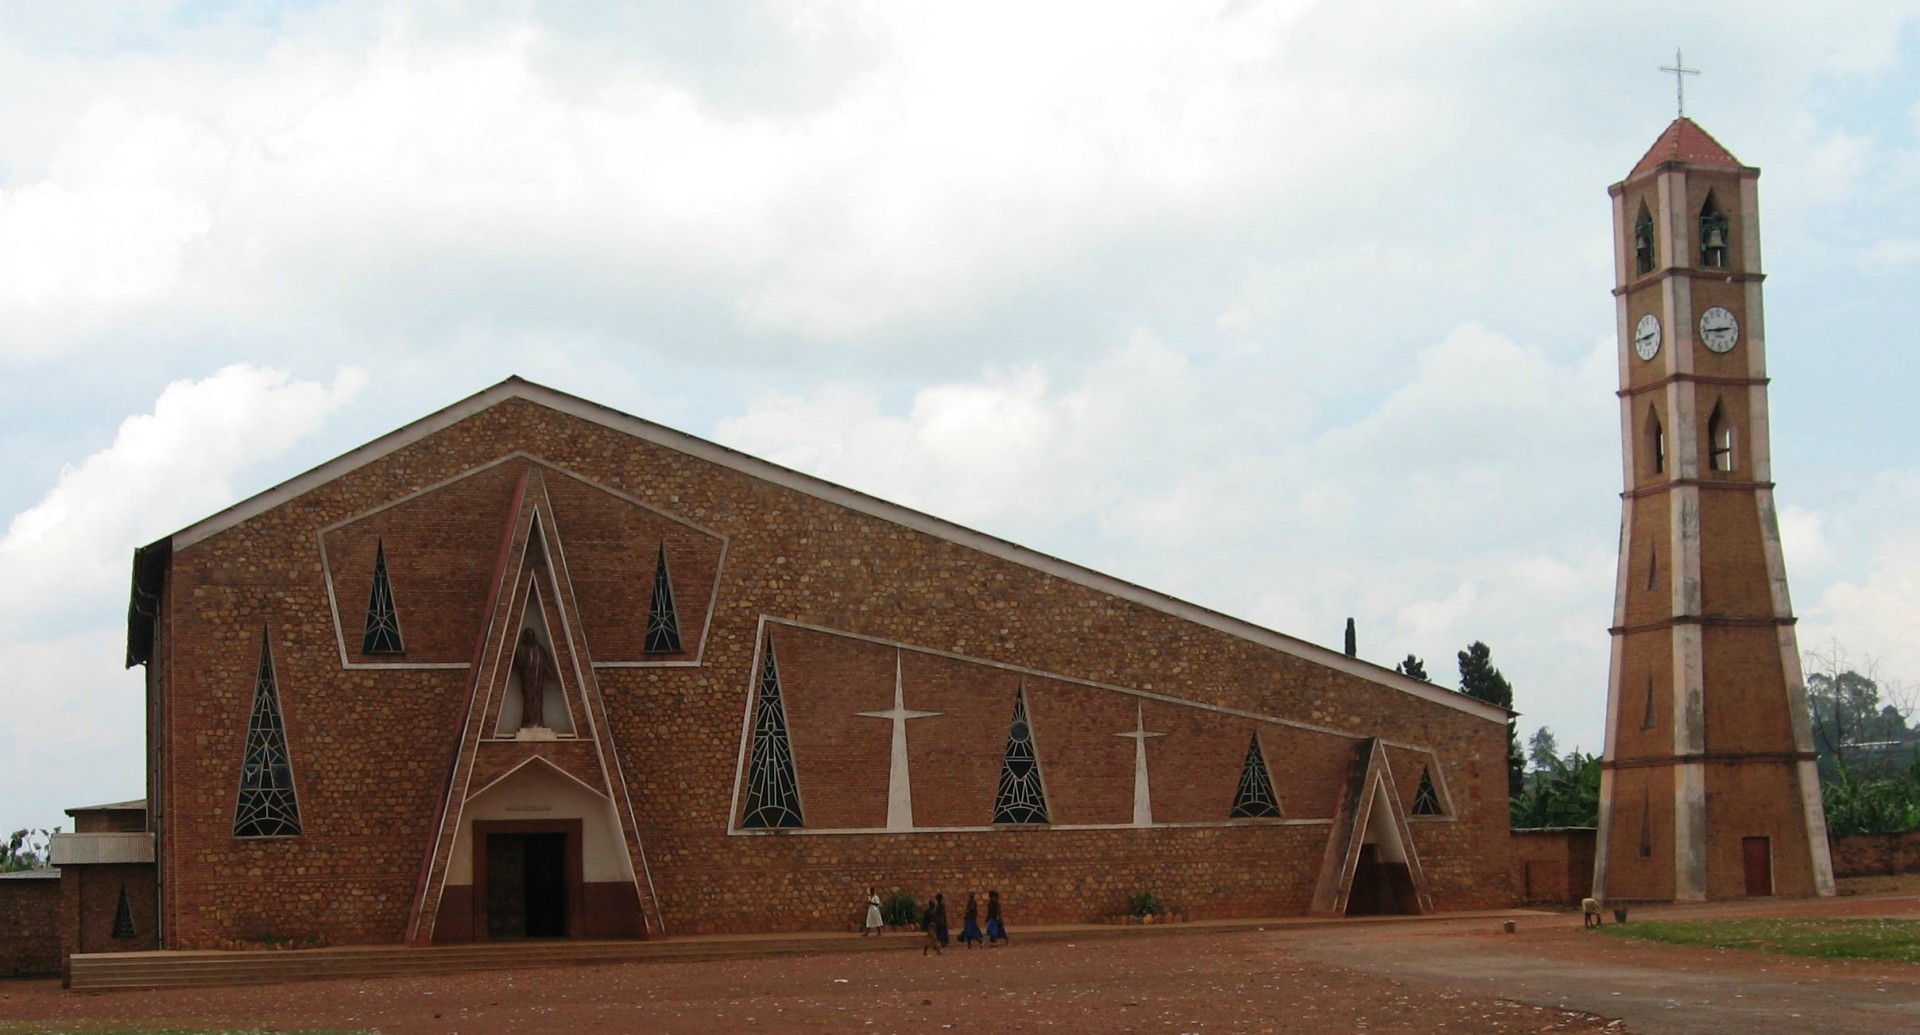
(933, 921)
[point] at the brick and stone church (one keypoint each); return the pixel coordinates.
(533, 667)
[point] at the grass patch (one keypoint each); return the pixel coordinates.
(1897, 940)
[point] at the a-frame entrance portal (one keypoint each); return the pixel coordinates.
(1371, 865)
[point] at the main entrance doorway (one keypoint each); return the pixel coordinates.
(526, 885)
(528, 880)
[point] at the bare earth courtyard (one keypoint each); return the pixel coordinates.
(1436, 975)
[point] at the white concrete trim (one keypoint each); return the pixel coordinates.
(1690, 832)
(516, 388)
(1604, 825)
(522, 764)
(1023, 670)
(100, 848)
(1815, 814)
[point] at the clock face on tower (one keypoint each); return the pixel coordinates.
(1719, 331)
(1646, 337)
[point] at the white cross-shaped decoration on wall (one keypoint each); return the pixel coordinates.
(899, 781)
(1142, 796)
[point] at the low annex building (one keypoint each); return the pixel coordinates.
(533, 667)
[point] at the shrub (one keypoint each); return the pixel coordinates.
(1145, 904)
(900, 909)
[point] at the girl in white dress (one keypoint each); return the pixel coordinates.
(874, 926)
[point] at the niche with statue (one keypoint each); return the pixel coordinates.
(535, 704)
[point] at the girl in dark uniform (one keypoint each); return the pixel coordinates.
(970, 926)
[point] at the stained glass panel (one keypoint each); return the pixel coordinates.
(267, 806)
(773, 791)
(1021, 798)
(663, 625)
(383, 622)
(1255, 798)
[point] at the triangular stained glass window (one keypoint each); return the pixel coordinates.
(1255, 798)
(1426, 800)
(773, 791)
(123, 917)
(1022, 798)
(663, 626)
(267, 805)
(383, 622)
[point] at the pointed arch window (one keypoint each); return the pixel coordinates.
(663, 624)
(773, 788)
(123, 917)
(1656, 441)
(1719, 440)
(1643, 241)
(267, 805)
(1651, 719)
(1021, 798)
(383, 622)
(1713, 235)
(1255, 798)
(1426, 800)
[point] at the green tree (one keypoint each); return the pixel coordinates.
(1412, 667)
(25, 849)
(1543, 749)
(1860, 727)
(1561, 792)
(1483, 682)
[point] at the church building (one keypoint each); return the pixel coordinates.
(531, 667)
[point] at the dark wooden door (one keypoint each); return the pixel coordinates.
(1758, 853)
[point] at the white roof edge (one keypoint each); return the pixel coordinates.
(713, 452)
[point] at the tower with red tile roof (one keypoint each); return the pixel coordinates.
(1708, 786)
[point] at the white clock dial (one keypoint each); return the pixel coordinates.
(1646, 337)
(1719, 330)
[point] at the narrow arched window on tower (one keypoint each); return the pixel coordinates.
(1713, 235)
(1656, 442)
(1719, 441)
(1643, 241)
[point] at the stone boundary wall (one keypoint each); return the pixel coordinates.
(30, 924)
(1872, 855)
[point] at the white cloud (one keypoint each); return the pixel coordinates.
(64, 558)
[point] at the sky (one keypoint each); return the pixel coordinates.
(1297, 310)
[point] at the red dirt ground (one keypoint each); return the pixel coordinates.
(1446, 975)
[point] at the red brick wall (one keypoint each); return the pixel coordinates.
(1873, 855)
(372, 748)
(90, 898)
(1553, 867)
(30, 925)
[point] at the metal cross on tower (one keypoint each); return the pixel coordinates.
(1680, 72)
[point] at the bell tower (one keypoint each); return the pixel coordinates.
(1708, 785)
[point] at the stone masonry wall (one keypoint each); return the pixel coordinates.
(1873, 855)
(30, 924)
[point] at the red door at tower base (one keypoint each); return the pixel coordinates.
(1758, 853)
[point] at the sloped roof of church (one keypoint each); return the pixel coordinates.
(150, 562)
(1684, 141)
